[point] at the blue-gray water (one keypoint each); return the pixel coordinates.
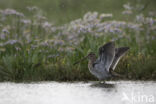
(117, 92)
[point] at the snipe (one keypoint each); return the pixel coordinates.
(103, 66)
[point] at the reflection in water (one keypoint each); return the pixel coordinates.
(103, 85)
(106, 87)
(118, 92)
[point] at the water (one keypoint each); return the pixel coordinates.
(118, 92)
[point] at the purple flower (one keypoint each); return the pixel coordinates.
(11, 42)
(12, 12)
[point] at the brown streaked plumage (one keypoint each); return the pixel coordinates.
(103, 66)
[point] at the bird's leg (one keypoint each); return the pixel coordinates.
(101, 81)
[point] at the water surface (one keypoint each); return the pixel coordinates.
(117, 92)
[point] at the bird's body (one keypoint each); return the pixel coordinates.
(96, 71)
(103, 66)
(96, 68)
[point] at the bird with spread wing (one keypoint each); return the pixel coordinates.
(103, 67)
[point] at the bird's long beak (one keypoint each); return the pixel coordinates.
(80, 60)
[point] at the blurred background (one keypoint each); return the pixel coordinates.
(63, 11)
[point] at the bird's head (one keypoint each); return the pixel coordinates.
(91, 56)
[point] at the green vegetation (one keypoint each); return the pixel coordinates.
(34, 48)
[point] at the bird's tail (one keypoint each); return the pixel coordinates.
(114, 74)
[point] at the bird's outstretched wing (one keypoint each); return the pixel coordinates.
(106, 56)
(119, 52)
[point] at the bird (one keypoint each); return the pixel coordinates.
(103, 67)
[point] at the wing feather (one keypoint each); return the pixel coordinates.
(119, 52)
(106, 56)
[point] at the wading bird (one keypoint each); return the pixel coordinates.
(103, 66)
